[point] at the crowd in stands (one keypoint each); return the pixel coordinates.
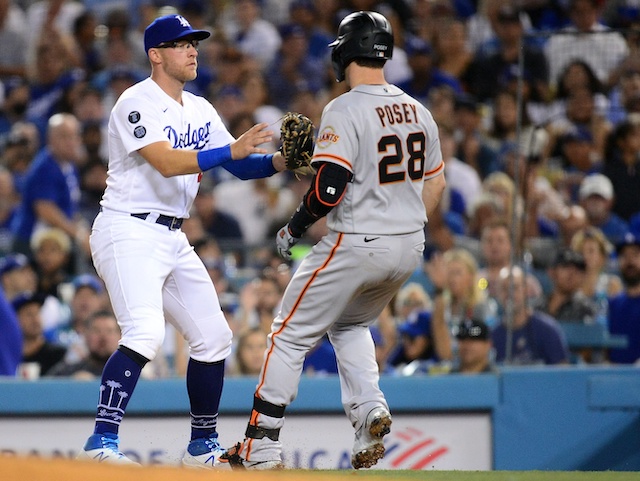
(538, 107)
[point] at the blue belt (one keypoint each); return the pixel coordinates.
(173, 223)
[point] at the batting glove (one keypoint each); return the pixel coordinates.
(285, 241)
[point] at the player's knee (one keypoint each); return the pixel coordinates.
(148, 342)
(212, 348)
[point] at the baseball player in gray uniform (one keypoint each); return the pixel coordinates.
(379, 174)
(161, 140)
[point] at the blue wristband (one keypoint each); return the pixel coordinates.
(254, 166)
(208, 159)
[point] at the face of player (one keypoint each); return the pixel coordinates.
(181, 61)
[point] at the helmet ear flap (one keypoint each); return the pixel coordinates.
(337, 62)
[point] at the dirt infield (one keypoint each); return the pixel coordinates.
(39, 469)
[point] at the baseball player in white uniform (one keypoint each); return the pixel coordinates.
(379, 174)
(161, 139)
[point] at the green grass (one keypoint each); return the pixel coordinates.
(392, 475)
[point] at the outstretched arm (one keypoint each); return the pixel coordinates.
(171, 162)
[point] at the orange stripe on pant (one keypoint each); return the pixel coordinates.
(254, 414)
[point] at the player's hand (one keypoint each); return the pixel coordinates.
(285, 241)
(248, 142)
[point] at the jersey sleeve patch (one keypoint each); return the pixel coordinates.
(327, 137)
(139, 132)
(134, 117)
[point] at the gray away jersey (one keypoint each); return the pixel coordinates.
(389, 141)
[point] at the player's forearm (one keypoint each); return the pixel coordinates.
(432, 193)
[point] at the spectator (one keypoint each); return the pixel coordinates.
(496, 250)
(51, 192)
(474, 348)
(582, 115)
(293, 70)
(260, 300)
(254, 36)
(473, 147)
(415, 352)
(35, 347)
(255, 92)
(9, 202)
(494, 71)
(536, 338)
(257, 204)
(13, 108)
(503, 133)
(487, 207)
(51, 82)
(17, 275)
(567, 302)
(52, 248)
(84, 35)
(457, 297)
(101, 335)
(442, 101)
(463, 182)
(598, 284)
(19, 150)
(13, 38)
(622, 167)
(450, 47)
(47, 18)
(425, 75)
(224, 227)
(11, 339)
(249, 352)
(577, 160)
(602, 49)
(576, 75)
(88, 297)
(305, 14)
(597, 197)
(624, 95)
(624, 309)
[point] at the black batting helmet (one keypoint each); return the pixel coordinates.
(361, 35)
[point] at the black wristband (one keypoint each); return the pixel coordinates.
(300, 221)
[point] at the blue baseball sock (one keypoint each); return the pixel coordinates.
(204, 385)
(119, 378)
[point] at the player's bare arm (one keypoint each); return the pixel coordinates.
(171, 162)
(432, 192)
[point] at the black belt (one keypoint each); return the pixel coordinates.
(173, 223)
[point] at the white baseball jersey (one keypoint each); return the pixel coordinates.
(145, 114)
(388, 140)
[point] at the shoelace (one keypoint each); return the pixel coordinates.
(212, 443)
(111, 444)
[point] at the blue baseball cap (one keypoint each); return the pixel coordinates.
(25, 298)
(170, 28)
(417, 324)
(88, 280)
(12, 262)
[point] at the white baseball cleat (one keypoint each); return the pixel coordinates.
(368, 447)
(103, 448)
(203, 453)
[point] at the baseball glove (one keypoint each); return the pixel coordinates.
(296, 135)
